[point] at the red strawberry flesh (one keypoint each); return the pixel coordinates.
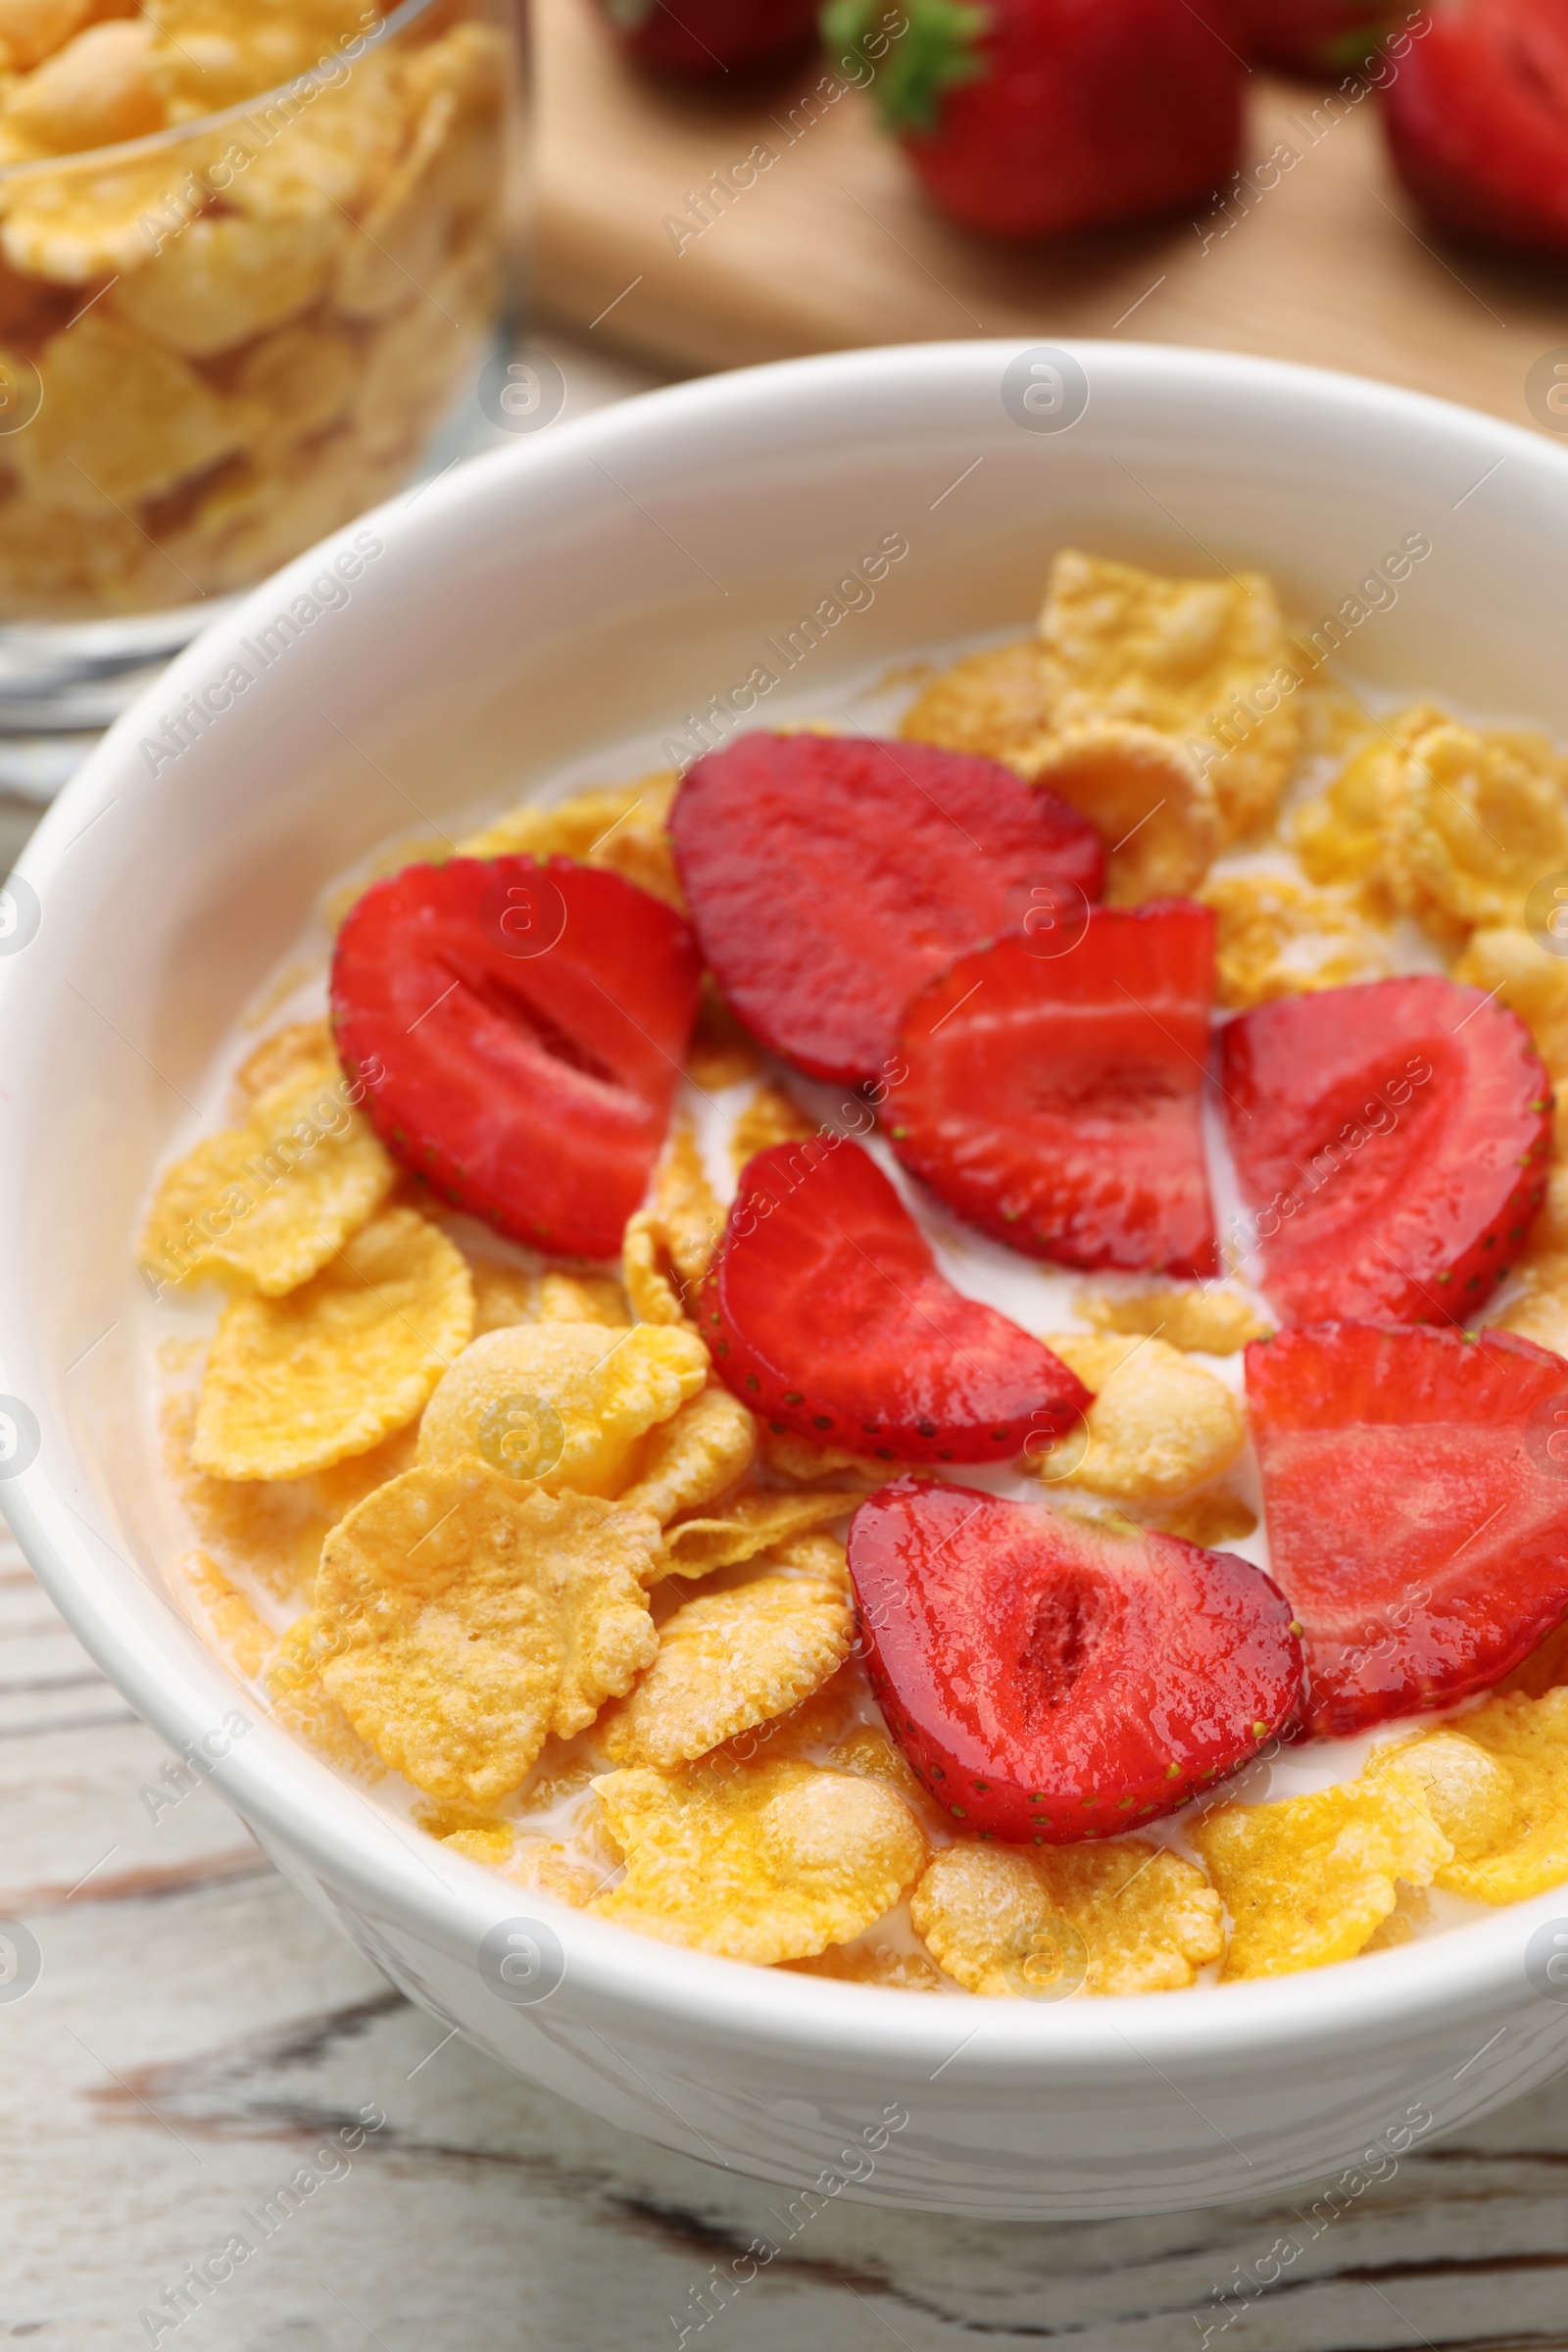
(826, 1314)
(1477, 118)
(828, 876)
(1417, 1514)
(1051, 1678)
(1393, 1139)
(521, 1030)
(1054, 1101)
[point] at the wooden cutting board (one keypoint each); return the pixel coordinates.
(833, 244)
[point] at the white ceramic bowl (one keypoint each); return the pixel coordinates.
(596, 580)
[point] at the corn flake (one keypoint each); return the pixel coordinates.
(765, 1862)
(745, 1525)
(1477, 820)
(269, 1203)
(1309, 1879)
(770, 1117)
(1340, 836)
(624, 829)
(701, 1451)
(1146, 796)
(270, 1530)
(1158, 1423)
(991, 705)
(563, 1403)
(1469, 1795)
(1506, 963)
(163, 426)
(690, 1220)
(470, 1615)
(303, 1050)
(1213, 1517)
(868, 1750)
(884, 1964)
(1118, 1917)
(29, 29)
(1205, 1321)
(95, 91)
(296, 1384)
(232, 1625)
(302, 1704)
(1512, 1849)
(1199, 660)
(544, 1864)
(1275, 938)
(227, 279)
(807, 1463)
(730, 1661)
(506, 1294)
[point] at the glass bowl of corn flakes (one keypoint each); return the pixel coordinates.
(1309, 2000)
(250, 254)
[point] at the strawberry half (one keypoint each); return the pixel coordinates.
(1392, 1138)
(704, 41)
(1417, 1515)
(1029, 118)
(825, 1313)
(1477, 118)
(829, 875)
(521, 1030)
(1312, 36)
(1053, 1100)
(1053, 1678)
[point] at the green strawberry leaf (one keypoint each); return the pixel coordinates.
(938, 50)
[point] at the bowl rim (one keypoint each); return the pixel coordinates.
(181, 1688)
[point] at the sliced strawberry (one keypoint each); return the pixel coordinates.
(1392, 1138)
(1417, 1512)
(1053, 1678)
(828, 876)
(1053, 1100)
(521, 1030)
(825, 1313)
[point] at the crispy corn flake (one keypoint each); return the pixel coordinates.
(270, 1530)
(216, 53)
(565, 1404)
(298, 382)
(163, 426)
(720, 1054)
(1543, 1670)
(658, 1295)
(689, 1219)
(1158, 1423)
(295, 1384)
(225, 280)
(1506, 963)
(301, 1051)
(878, 1963)
(807, 1463)
(823, 1555)
(992, 704)
(344, 1485)
(770, 1117)
(224, 1616)
(1309, 1879)
(1410, 1917)
(1340, 835)
(625, 829)
(505, 1294)
(730, 1661)
(544, 1864)
(469, 1615)
(1206, 1322)
(1119, 1916)
(32, 29)
(1213, 1517)
(1469, 1795)
(1275, 938)
(765, 1862)
(745, 1525)
(868, 1750)
(1147, 797)
(701, 1451)
(71, 222)
(303, 1704)
(97, 90)
(269, 1203)
(558, 1774)
(468, 1830)
(1476, 820)
(1199, 660)
(1515, 1852)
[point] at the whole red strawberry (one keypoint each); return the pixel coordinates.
(704, 41)
(1477, 120)
(1311, 36)
(1030, 117)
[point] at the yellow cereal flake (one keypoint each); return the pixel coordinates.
(1147, 797)
(656, 1293)
(304, 1051)
(225, 1617)
(624, 829)
(720, 1053)
(95, 91)
(506, 1294)
(1206, 1322)
(565, 1404)
(807, 1463)
(876, 1963)
(730, 1661)
(1204, 662)
(470, 1615)
(771, 1117)
(823, 1555)
(296, 1384)
(163, 426)
(270, 1530)
(701, 1451)
(1410, 1917)
(868, 1750)
(1506, 963)
(689, 1219)
(468, 1830)
(1476, 820)
(1340, 836)
(213, 54)
(1158, 1425)
(1516, 1849)
(544, 1864)
(1309, 1879)
(1469, 1795)
(745, 1525)
(765, 1862)
(228, 278)
(266, 1205)
(343, 1485)
(71, 222)
(30, 29)
(297, 383)
(1117, 1917)
(1275, 938)
(991, 705)
(1214, 1516)
(303, 1705)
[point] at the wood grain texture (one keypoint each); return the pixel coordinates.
(834, 245)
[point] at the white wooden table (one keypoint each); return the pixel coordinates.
(197, 2034)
